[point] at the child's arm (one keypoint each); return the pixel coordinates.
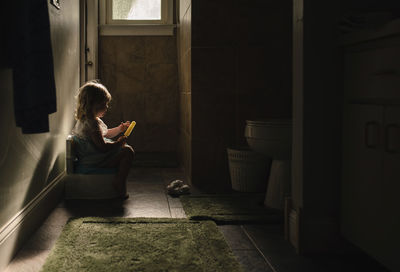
(112, 132)
(99, 142)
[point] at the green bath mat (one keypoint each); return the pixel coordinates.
(140, 244)
(230, 209)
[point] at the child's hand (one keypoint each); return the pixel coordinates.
(124, 126)
(122, 140)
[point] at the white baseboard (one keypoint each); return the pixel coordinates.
(24, 223)
(294, 229)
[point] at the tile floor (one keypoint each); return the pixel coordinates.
(257, 247)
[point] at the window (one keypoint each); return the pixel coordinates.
(136, 17)
(136, 12)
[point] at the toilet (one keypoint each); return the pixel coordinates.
(273, 138)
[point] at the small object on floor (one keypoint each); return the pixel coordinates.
(177, 188)
(184, 189)
(175, 184)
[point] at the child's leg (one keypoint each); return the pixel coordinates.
(123, 161)
(124, 166)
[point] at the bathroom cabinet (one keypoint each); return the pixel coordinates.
(371, 176)
(370, 216)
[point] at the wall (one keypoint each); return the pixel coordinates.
(185, 85)
(141, 75)
(317, 125)
(240, 69)
(28, 163)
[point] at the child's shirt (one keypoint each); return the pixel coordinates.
(87, 153)
(83, 129)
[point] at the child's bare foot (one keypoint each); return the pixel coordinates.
(124, 196)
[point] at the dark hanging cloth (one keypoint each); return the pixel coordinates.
(32, 63)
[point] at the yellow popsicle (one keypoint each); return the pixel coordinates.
(130, 128)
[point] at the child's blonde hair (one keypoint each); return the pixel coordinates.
(92, 95)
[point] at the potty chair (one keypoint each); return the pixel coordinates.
(86, 183)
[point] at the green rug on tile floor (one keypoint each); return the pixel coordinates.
(140, 244)
(230, 208)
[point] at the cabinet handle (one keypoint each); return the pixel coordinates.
(372, 134)
(392, 140)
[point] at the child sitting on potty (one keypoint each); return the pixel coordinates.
(95, 149)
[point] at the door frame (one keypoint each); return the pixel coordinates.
(89, 18)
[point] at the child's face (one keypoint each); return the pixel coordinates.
(102, 110)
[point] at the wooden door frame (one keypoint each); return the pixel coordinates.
(89, 18)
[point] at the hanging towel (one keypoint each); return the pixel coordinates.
(32, 63)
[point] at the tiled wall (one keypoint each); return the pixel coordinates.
(234, 64)
(141, 75)
(240, 69)
(185, 85)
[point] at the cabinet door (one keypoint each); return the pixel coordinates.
(388, 253)
(362, 172)
(372, 70)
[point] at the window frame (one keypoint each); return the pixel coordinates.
(110, 27)
(111, 21)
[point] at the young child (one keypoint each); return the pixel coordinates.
(95, 148)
